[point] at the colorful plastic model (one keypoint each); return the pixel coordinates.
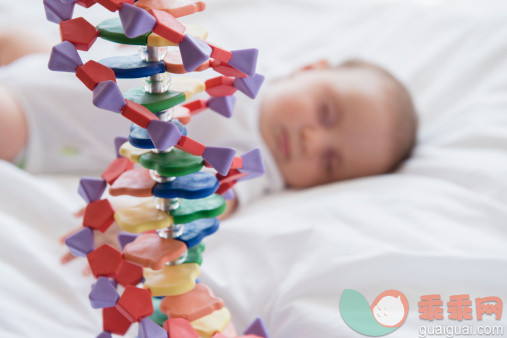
(153, 280)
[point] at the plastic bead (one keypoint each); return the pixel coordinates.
(114, 322)
(98, 215)
(220, 158)
(138, 114)
(107, 95)
(92, 73)
(103, 294)
(135, 182)
(190, 146)
(194, 232)
(114, 5)
(86, 3)
(192, 305)
(196, 106)
(149, 329)
(252, 162)
(155, 40)
(175, 8)
(249, 86)
(174, 63)
(81, 243)
(152, 251)
(136, 21)
(257, 328)
(57, 11)
(193, 52)
(163, 134)
(104, 261)
(220, 86)
(79, 32)
(104, 334)
(128, 273)
(135, 303)
(171, 280)
(225, 69)
(167, 26)
(245, 60)
(91, 189)
(224, 105)
(219, 53)
(192, 210)
(180, 327)
(64, 57)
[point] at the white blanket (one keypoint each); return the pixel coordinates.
(438, 226)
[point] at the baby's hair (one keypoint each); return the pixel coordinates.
(406, 129)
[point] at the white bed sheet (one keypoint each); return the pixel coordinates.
(436, 226)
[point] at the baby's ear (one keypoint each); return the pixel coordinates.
(321, 64)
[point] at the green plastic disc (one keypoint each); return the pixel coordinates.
(154, 102)
(157, 316)
(112, 30)
(194, 254)
(191, 210)
(174, 163)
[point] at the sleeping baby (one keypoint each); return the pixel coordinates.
(319, 125)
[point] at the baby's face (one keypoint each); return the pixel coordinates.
(329, 125)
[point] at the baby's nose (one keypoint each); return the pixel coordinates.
(309, 140)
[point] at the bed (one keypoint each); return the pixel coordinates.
(436, 226)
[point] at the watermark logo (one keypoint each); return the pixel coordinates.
(386, 314)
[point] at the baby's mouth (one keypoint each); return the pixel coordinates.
(284, 144)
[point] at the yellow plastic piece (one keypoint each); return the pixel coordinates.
(198, 31)
(131, 152)
(142, 217)
(216, 321)
(187, 86)
(171, 280)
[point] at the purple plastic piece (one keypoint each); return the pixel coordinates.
(163, 134)
(244, 60)
(194, 52)
(103, 294)
(135, 20)
(113, 282)
(229, 195)
(64, 58)
(81, 243)
(104, 334)
(107, 95)
(252, 162)
(224, 105)
(249, 86)
(68, 1)
(91, 189)
(57, 10)
(149, 329)
(118, 142)
(125, 238)
(219, 158)
(257, 328)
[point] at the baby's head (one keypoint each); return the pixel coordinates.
(324, 124)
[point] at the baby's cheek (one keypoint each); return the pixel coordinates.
(301, 174)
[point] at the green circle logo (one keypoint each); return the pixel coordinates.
(386, 314)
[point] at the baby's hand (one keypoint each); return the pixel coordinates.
(109, 237)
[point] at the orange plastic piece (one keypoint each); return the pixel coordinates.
(182, 114)
(92, 73)
(114, 322)
(104, 261)
(134, 182)
(114, 5)
(222, 188)
(98, 215)
(237, 163)
(219, 53)
(179, 327)
(167, 26)
(116, 168)
(79, 32)
(176, 8)
(152, 251)
(128, 273)
(190, 146)
(196, 106)
(174, 64)
(220, 86)
(138, 114)
(192, 305)
(225, 69)
(135, 303)
(86, 3)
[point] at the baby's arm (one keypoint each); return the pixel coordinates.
(13, 126)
